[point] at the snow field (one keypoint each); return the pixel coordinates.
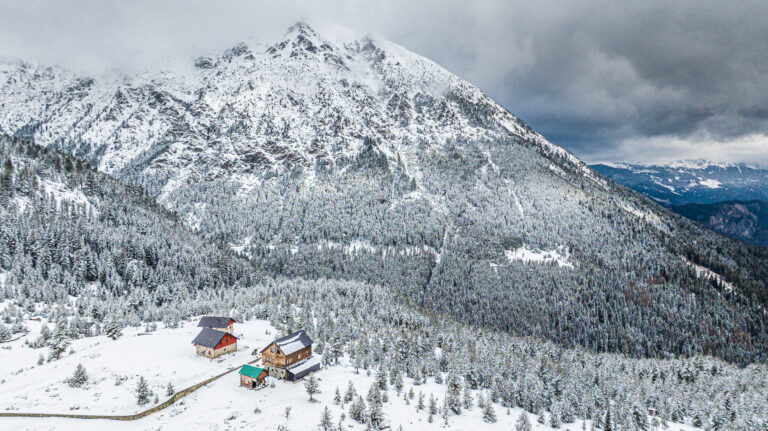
(167, 356)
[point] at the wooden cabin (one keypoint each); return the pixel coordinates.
(212, 343)
(286, 352)
(253, 377)
(223, 324)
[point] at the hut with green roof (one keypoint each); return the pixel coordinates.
(253, 377)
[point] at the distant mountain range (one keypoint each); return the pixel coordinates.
(729, 198)
(688, 182)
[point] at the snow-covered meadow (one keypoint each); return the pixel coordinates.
(166, 355)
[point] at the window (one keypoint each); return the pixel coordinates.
(272, 349)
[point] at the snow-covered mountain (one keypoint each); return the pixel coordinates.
(336, 155)
(304, 101)
(693, 181)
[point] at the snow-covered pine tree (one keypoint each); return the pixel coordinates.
(420, 403)
(608, 426)
(432, 404)
(640, 418)
(467, 399)
(554, 417)
(445, 411)
(357, 410)
(170, 390)
(337, 396)
(59, 343)
(312, 386)
(381, 378)
(453, 397)
(79, 377)
(349, 394)
(489, 413)
(113, 329)
(523, 423)
(375, 415)
(326, 421)
(142, 391)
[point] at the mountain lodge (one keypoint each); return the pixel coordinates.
(290, 357)
(217, 339)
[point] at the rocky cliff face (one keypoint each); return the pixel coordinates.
(745, 220)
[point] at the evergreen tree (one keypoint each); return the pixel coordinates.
(170, 390)
(312, 386)
(59, 343)
(142, 392)
(432, 404)
(445, 411)
(326, 421)
(375, 415)
(337, 396)
(381, 378)
(467, 400)
(608, 426)
(349, 395)
(640, 418)
(113, 329)
(489, 413)
(523, 423)
(357, 410)
(79, 378)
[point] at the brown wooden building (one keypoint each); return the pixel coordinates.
(253, 377)
(286, 352)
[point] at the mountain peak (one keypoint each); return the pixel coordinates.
(300, 27)
(300, 40)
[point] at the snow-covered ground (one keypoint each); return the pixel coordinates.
(162, 356)
(527, 254)
(708, 274)
(167, 355)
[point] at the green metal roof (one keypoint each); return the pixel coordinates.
(251, 371)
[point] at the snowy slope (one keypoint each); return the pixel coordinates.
(221, 405)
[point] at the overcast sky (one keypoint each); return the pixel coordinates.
(638, 81)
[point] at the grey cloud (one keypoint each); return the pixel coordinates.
(597, 77)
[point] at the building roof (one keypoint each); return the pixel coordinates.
(292, 343)
(305, 365)
(209, 338)
(214, 322)
(251, 371)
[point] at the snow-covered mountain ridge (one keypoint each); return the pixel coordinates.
(302, 101)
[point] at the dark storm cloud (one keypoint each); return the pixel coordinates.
(608, 80)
